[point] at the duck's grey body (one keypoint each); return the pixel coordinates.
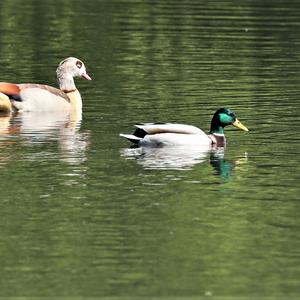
(167, 135)
(180, 134)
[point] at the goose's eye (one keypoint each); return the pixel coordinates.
(78, 64)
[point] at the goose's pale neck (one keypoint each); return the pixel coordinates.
(66, 82)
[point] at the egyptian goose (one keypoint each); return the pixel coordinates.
(181, 134)
(40, 97)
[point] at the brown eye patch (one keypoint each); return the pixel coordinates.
(78, 64)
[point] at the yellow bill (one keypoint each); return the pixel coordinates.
(237, 123)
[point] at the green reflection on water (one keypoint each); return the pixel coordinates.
(80, 218)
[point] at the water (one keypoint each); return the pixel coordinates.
(85, 215)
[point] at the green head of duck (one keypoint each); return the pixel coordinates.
(224, 117)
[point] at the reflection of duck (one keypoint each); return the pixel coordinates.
(180, 134)
(173, 157)
(182, 158)
(40, 97)
(222, 166)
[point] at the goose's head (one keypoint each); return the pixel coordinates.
(72, 67)
(224, 117)
(68, 69)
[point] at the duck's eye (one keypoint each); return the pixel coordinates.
(78, 64)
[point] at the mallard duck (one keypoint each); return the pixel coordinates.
(40, 97)
(160, 134)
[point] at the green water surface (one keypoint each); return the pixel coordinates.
(83, 215)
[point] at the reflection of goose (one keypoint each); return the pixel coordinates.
(180, 134)
(4, 125)
(172, 157)
(40, 97)
(47, 124)
(37, 129)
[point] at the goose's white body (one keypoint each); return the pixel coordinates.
(38, 100)
(42, 98)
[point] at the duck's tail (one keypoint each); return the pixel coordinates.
(132, 138)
